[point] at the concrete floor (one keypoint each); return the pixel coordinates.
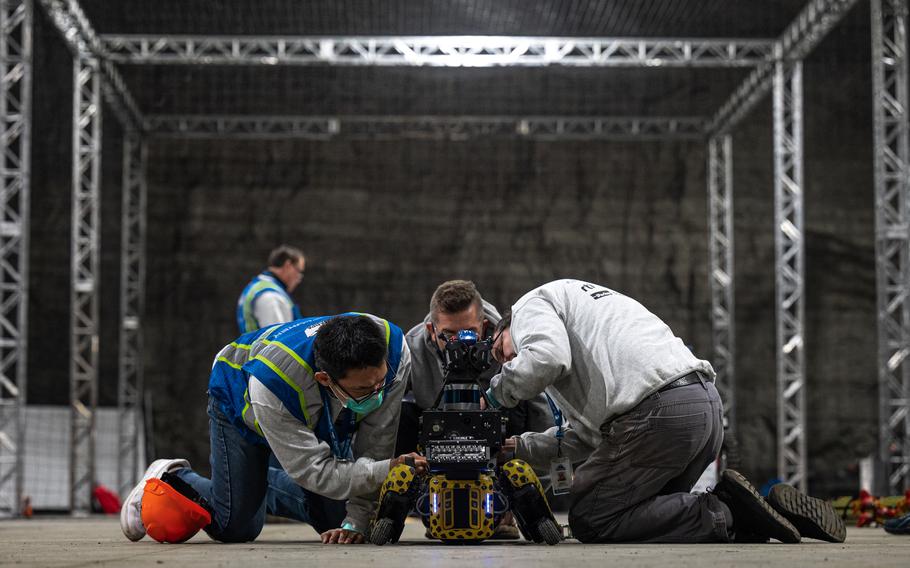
(98, 541)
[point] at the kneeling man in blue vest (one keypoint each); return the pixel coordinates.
(300, 391)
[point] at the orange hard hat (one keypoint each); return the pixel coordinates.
(170, 516)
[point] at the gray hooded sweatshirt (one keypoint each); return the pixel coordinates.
(596, 352)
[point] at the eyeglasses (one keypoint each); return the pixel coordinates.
(446, 337)
(442, 336)
(386, 385)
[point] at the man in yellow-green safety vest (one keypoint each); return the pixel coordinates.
(266, 300)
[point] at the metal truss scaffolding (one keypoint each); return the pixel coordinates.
(15, 134)
(892, 253)
(72, 23)
(84, 293)
(784, 73)
(774, 63)
(790, 269)
(720, 247)
(132, 308)
(94, 72)
(426, 127)
(439, 51)
(797, 41)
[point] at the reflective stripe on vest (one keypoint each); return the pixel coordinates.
(262, 284)
(292, 369)
(235, 355)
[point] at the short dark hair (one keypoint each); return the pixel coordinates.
(504, 323)
(284, 253)
(455, 296)
(348, 342)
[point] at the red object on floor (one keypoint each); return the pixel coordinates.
(107, 500)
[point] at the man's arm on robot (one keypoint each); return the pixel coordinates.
(544, 355)
(538, 448)
(308, 461)
(375, 439)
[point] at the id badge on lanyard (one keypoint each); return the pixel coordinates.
(561, 474)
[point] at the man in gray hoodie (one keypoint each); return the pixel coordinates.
(646, 420)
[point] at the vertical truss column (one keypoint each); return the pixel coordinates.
(84, 323)
(720, 246)
(892, 253)
(789, 266)
(15, 133)
(132, 304)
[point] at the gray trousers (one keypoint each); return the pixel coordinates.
(635, 486)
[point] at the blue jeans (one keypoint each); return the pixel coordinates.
(244, 485)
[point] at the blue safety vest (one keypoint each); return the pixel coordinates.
(262, 283)
(281, 357)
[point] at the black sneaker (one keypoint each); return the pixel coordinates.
(752, 515)
(813, 517)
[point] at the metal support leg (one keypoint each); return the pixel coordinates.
(15, 143)
(892, 253)
(84, 330)
(789, 238)
(720, 246)
(132, 303)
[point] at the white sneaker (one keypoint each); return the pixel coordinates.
(131, 511)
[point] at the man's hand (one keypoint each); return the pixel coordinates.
(420, 462)
(341, 536)
(507, 451)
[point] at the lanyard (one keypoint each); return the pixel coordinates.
(341, 450)
(557, 419)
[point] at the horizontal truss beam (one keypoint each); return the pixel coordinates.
(440, 51)
(428, 127)
(76, 29)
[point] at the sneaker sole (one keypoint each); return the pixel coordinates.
(813, 517)
(127, 512)
(766, 521)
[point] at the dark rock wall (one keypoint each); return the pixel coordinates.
(384, 222)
